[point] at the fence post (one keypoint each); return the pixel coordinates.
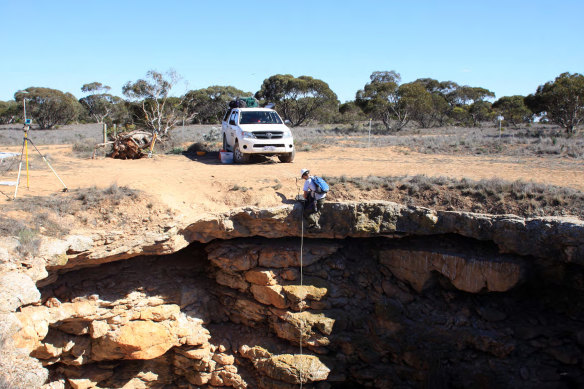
(369, 143)
(104, 139)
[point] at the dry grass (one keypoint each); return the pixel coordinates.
(84, 148)
(26, 233)
(536, 140)
(47, 216)
(35, 162)
(494, 196)
(74, 201)
(539, 140)
(12, 135)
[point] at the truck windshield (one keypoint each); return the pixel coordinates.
(259, 117)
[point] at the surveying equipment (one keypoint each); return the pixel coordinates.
(24, 151)
(500, 118)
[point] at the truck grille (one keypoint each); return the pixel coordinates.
(268, 134)
(274, 145)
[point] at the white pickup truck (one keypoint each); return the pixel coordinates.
(247, 131)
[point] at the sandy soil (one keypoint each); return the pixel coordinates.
(203, 184)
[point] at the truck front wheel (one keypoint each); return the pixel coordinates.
(287, 158)
(238, 156)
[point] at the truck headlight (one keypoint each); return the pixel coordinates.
(247, 134)
(287, 134)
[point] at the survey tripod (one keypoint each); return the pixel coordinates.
(24, 152)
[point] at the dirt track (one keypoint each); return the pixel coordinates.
(205, 185)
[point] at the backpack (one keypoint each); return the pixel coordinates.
(321, 185)
(238, 103)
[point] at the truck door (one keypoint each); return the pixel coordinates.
(232, 133)
(225, 126)
(225, 122)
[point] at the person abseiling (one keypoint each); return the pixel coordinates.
(314, 200)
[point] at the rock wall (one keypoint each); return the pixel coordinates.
(387, 296)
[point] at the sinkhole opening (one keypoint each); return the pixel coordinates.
(435, 311)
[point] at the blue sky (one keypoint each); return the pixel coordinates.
(509, 47)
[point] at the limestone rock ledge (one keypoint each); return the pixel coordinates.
(548, 237)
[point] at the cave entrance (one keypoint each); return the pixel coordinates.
(374, 312)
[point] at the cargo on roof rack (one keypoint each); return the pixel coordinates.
(244, 102)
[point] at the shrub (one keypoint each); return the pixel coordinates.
(84, 147)
(29, 241)
(176, 151)
(495, 196)
(198, 146)
(241, 188)
(213, 135)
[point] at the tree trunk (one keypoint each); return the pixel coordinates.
(130, 145)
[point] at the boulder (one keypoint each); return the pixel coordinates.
(234, 281)
(294, 369)
(202, 352)
(259, 276)
(16, 289)
(297, 293)
(312, 328)
(79, 243)
(269, 295)
(136, 340)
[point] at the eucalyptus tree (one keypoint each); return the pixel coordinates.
(100, 104)
(561, 100)
(9, 112)
(442, 102)
(514, 110)
(208, 105)
(417, 102)
(298, 99)
(151, 102)
(380, 98)
(49, 107)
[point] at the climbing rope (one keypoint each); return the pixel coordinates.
(302, 298)
(301, 280)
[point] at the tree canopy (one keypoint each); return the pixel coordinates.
(9, 112)
(381, 99)
(100, 104)
(561, 100)
(468, 95)
(514, 110)
(442, 102)
(417, 102)
(209, 104)
(427, 102)
(297, 99)
(153, 107)
(49, 107)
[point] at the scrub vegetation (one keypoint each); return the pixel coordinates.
(51, 216)
(494, 196)
(305, 101)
